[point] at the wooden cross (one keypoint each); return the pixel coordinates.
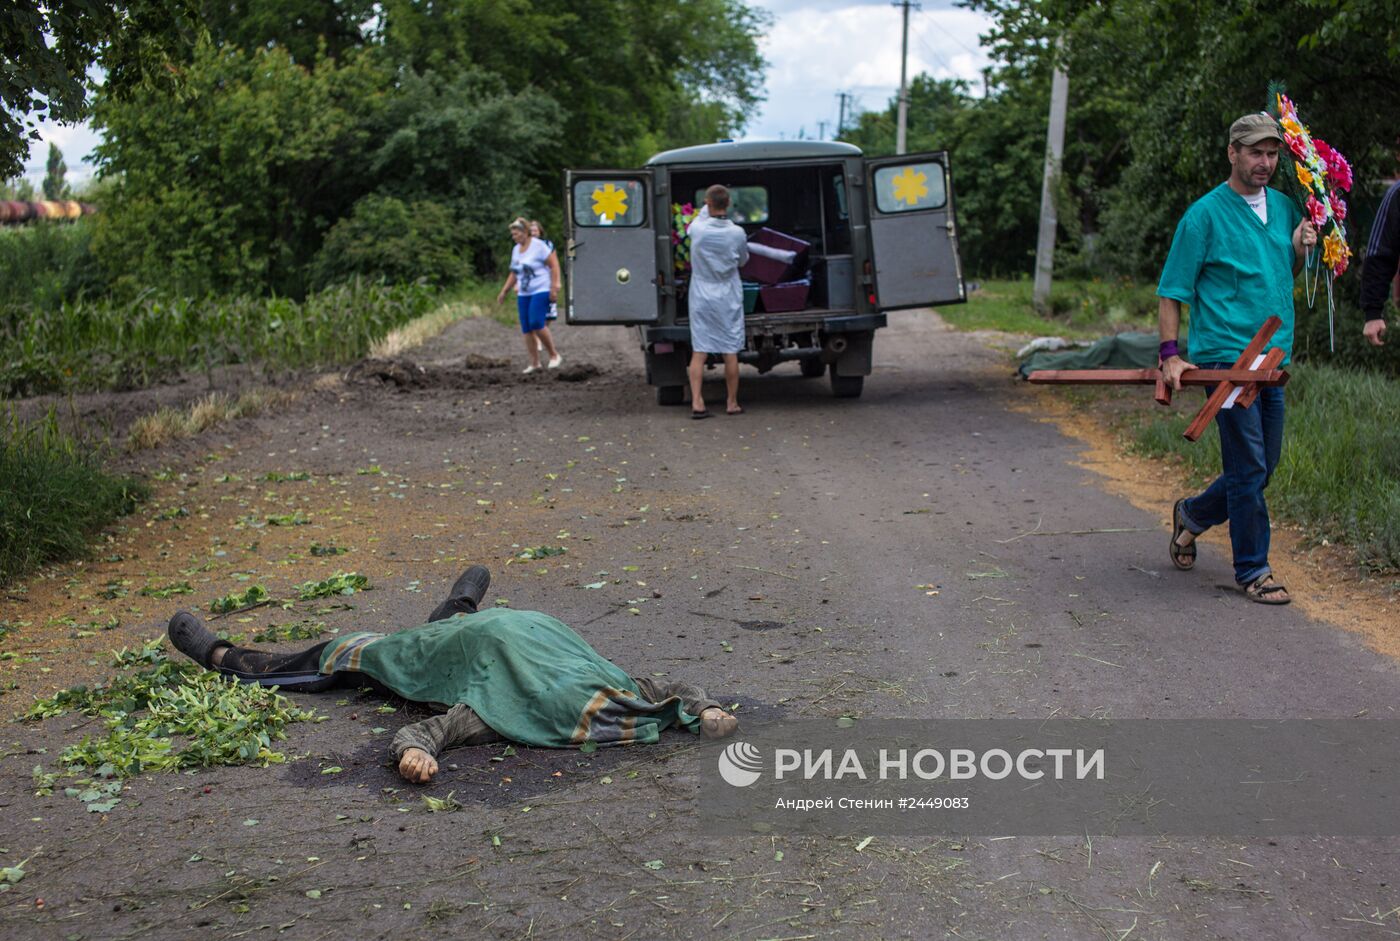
(1236, 386)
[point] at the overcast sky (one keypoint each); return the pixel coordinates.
(818, 48)
(815, 49)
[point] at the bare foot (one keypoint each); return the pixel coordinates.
(417, 766)
(716, 723)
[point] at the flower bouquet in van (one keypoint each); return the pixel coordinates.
(682, 215)
(1315, 175)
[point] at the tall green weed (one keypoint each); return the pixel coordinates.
(47, 264)
(1340, 472)
(54, 495)
(108, 344)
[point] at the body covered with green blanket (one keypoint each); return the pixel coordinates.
(526, 674)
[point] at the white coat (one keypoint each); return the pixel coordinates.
(717, 249)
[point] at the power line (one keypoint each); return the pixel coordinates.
(845, 97)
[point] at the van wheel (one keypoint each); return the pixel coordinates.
(846, 387)
(670, 395)
(812, 368)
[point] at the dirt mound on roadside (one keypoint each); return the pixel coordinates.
(401, 373)
(478, 361)
(577, 372)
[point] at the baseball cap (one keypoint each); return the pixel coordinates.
(1252, 128)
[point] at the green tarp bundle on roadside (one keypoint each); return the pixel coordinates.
(1120, 351)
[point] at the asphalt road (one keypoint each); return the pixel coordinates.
(770, 557)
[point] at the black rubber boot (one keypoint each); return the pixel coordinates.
(466, 594)
(188, 635)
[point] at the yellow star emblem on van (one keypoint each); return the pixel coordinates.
(609, 202)
(910, 187)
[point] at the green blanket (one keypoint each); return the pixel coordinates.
(1121, 351)
(527, 675)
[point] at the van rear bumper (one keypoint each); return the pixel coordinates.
(776, 325)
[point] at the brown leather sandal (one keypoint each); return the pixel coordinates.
(1183, 557)
(1265, 590)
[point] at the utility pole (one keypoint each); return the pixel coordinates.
(821, 129)
(900, 135)
(841, 118)
(1054, 153)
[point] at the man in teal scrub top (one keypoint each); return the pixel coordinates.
(1233, 260)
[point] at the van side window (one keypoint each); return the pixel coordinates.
(838, 182)
(609, 203)
(746, 203)
(910, 188)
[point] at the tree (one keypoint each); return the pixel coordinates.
(231, 188)
(17, 188)
(55, 179)
(50, 45)
(476, 146)
(630, 76)
(1196, 67)
(305, 28)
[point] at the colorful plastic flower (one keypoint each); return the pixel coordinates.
(1305, 176)
(1291, 126)
(1339, 207)
(1335, 253)
(1298, 146)
(1338, 170)
(1317, 212)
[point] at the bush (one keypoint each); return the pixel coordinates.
(47, 264)
(386, 238)
(1311, 345)
(54, 496)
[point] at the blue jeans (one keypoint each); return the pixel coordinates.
(1251, 441)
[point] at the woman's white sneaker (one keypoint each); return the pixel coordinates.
(528, 369)
(555, 360)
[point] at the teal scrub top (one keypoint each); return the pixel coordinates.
(1234, 271)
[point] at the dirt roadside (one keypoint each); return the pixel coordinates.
(774, 559)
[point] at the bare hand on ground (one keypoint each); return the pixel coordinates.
(1172, 370)
(716, 723)
(417, 766)
(1374, 332)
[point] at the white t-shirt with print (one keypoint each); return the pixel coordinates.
(1259, 202)
(531, 267)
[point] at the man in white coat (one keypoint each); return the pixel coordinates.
(717, 248)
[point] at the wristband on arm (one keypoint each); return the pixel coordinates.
(1167, 350)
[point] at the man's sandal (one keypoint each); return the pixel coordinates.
(1183, 557)
(1267, 591)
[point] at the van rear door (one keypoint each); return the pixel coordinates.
(610, 261)
(913, 233)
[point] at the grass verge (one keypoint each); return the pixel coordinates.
(1340, 473)
(106, 344)
(1078, 309)
(54, 495)
(1339, 476)
(170, 424)
(417, 332)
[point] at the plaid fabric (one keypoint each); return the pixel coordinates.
(345, 654)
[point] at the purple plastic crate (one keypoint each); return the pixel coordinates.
(780, 298)
(770, 270)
